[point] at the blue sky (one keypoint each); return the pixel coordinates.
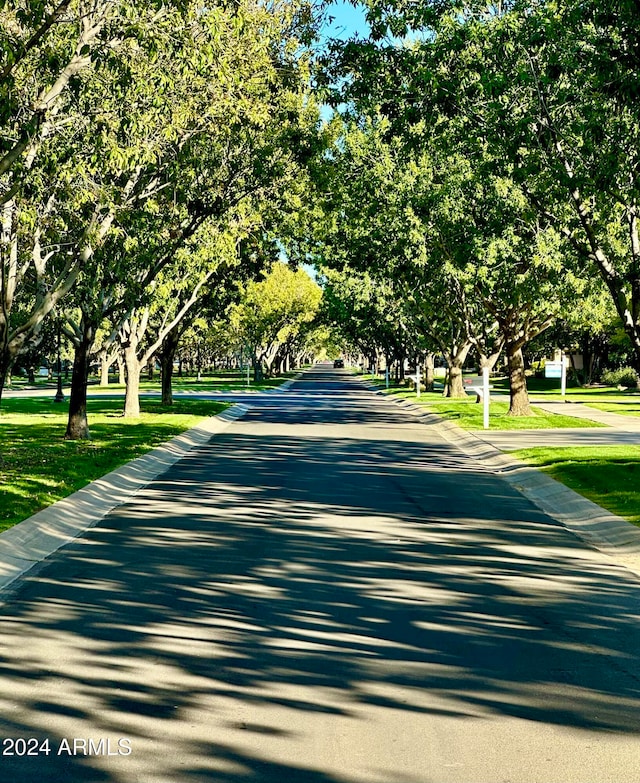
(348, 21)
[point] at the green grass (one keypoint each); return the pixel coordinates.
(604, 398)
(21, 382)
(468, 414)
(222, 381)
(623, 407)
(607, 475)
(38, 467)
(550, 387)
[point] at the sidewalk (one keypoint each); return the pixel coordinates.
(581, 410)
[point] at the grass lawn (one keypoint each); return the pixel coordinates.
(468, 414)
(604, 398)
(21, 382)
(607, 475)
(625, 407)
(38, 467)
(222, 381)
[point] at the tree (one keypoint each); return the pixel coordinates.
(366, 312)
(507, 263)
(198, 276)
(273, 311)
(366, 237)
(48, 229)
(196, 144)
(550, 89)
(160, 119)
(207, 322)
(475, 90)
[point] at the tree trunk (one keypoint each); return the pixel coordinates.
(455, 383)
(167, 357)
(456, 358)
(105, 364)
(77, 423)
(576, 374)
(122, 377)
(428, 372)
(5, 370)
(519, 405)
(132, 392)
(588, 356)
(166, 370)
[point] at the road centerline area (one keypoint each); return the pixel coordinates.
(328, 592)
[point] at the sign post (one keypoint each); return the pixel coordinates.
(557, 370)
(417, 379)
(386, 377)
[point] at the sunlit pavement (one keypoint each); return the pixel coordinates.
(327, 592)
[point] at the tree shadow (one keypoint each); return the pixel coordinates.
(267, 589)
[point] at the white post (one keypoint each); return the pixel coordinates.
(417, 380)
(248, 371)
(563, 376)
(386, 377)
(485, 396)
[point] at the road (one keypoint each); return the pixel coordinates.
(327, 592)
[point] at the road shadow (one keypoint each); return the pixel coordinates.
(320, 577)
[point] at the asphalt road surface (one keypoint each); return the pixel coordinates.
(327, 592)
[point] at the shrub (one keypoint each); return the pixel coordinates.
(623, 376)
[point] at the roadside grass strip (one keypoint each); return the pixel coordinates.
(606, 475)
(610, 399)
(468, 414)
(222, 381)
(38, 467)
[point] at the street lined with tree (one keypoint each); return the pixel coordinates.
(463, 180)
(325, 584)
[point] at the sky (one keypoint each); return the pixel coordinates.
(348, 21)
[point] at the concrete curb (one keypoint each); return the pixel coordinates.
(32, 540)
(286, 385)
(594, 524)
(598, 527)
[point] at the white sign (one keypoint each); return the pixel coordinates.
(553, 370)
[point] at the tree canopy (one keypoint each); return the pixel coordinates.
(477, 178)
